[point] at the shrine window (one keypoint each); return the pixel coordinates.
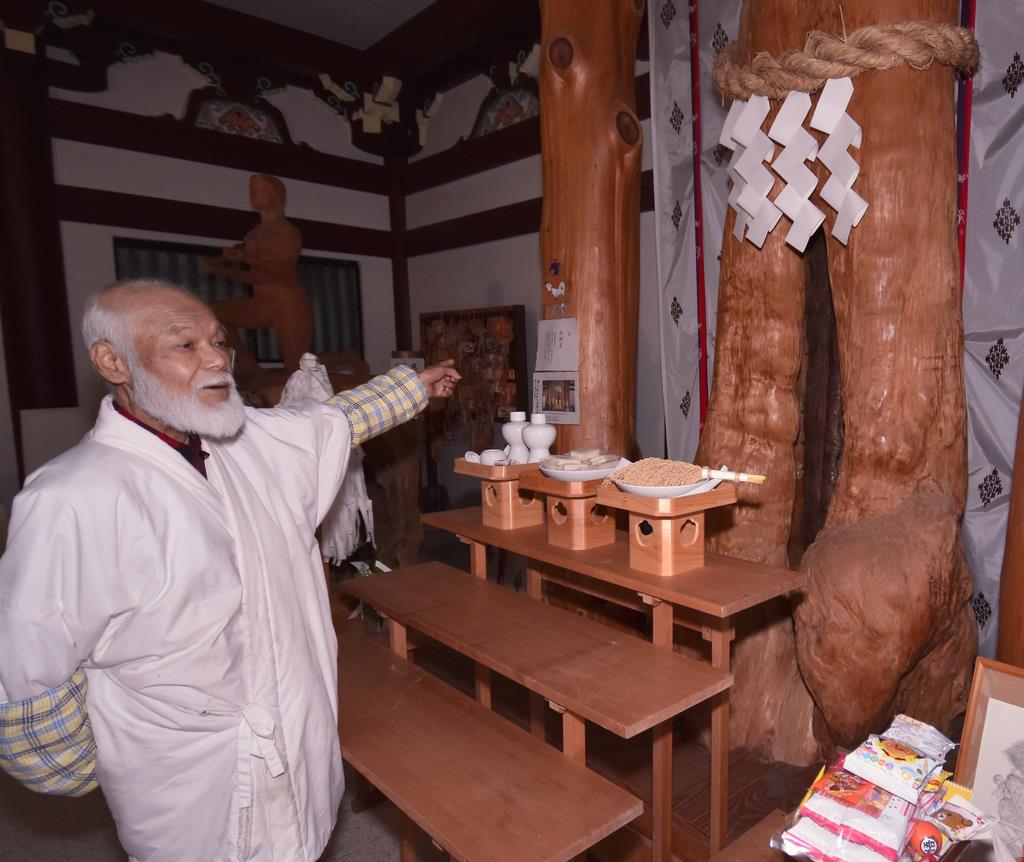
(332, 285)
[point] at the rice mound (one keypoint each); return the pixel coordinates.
(657, 473)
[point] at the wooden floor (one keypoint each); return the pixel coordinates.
(756, 787)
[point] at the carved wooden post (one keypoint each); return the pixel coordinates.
(589, 238)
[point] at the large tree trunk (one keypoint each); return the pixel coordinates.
(753, 424)
(884, 625)
(590, 150)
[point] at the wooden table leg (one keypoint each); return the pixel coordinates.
(408, 833)
(482, 685)
(538, 706)
(482, 676)
(574, 737)
(661, 753)
(721, 638)
(534, 584)
(478, 559)
(398, 638)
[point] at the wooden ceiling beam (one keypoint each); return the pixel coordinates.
(203, 26)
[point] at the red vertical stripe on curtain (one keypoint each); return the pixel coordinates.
(698, 204)
(965, 97)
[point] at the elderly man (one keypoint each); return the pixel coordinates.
(164, 623)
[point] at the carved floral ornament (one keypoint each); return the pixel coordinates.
(827, 64)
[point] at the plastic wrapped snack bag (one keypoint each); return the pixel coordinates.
(856, 815)
(921, 737)
(932, 834)
(808, 839)
(892, 765)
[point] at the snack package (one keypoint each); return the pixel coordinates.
(921, 737)
(893, 766)
(855, 811)
(807, 839)
(958, 819)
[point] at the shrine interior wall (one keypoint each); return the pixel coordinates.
(158, 86)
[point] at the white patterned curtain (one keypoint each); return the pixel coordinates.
(687, 268)
(993, 299)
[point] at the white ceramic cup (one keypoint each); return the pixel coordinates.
(490, 457)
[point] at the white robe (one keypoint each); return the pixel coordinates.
(199, 611)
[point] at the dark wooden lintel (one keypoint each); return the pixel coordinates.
(166, 136)
(137, 212)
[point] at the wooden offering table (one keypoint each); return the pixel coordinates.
(480, 787)
(701, 597)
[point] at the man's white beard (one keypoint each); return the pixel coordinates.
(185, 412)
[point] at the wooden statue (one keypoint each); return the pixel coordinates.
(590, 226)
(884, 624)
(271, 253)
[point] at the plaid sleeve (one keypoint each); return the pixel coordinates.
(383, 403)
(46, 741)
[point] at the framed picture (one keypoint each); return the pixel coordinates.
(489, 349)
(991, 758)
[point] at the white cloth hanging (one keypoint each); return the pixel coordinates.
(340, 531)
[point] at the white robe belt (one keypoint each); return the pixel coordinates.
(256, 739)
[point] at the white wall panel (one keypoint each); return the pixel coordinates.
(508, 184)
(109, 169)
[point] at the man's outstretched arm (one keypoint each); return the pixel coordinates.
(393, 398)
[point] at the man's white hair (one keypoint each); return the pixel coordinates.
(104, 319)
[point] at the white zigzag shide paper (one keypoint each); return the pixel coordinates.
(798, 147)
(843, 132)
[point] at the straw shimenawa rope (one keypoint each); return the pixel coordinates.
(913, 43)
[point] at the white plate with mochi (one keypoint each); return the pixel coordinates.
(582, 465)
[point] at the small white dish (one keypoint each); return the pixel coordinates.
(583, 475)
(669, 492)
(472, 458)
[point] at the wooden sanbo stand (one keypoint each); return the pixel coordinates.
(505, 505)
(574, 517)
(666, 536)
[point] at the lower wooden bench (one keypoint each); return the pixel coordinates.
(480, 787)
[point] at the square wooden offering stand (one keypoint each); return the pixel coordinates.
(666, 536)
(575, 519)
(504, 504)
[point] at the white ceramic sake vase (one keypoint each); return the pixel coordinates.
(539, 436)
(512, 431)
